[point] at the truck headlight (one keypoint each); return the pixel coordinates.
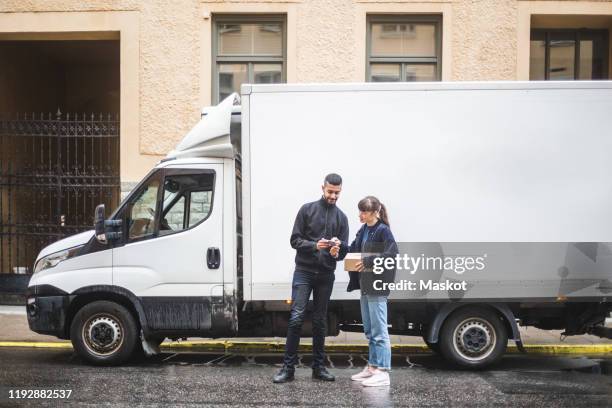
(53, 259)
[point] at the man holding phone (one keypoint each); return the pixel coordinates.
(319, 236)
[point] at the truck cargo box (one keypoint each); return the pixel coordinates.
(507, 164)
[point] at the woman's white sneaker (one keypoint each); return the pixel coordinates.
(378, 379)
(362, 375)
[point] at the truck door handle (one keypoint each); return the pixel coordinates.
(213, 258)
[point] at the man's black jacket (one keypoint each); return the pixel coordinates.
(314, 221)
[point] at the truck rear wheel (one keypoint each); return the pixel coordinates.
(104, 333)
(473, 337)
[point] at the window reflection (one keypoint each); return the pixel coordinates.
(405, 40)
(250, 39)
(562, 54)
(385, 72)
(267, 73)
(568, 54)
(537, 64)
(231, 76)
(420, 72)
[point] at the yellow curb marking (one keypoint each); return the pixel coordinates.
(35, 344)
(276, 346)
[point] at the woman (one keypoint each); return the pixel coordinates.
(373, 237)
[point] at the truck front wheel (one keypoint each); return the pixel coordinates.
(104, 333)
(473, 337)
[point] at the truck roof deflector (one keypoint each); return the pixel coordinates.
(210, 137)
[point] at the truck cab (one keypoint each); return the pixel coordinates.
(163, 264)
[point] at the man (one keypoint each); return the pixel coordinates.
(319, 236)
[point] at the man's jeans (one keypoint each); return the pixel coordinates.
(374, 317)
(321, 285)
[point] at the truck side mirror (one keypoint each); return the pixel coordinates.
(99, 217)
(102, 226)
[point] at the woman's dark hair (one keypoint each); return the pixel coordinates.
(371, 203)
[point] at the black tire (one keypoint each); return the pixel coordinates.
(473, 337)
(104, 333)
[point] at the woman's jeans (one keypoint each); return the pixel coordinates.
(320, 285)
(374, 316)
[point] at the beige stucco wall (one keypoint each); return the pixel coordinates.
(166, 48)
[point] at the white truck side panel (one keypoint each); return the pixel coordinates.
(507, 162)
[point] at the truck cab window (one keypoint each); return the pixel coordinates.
(187, 201)
(173, 216)
(199, 206)
(142, 211)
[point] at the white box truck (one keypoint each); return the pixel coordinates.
(515, 172)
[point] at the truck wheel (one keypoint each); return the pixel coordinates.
(473, 338)
(104, 333)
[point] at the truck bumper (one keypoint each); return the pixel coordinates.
(47, 314)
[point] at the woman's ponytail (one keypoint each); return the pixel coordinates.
(384, 216)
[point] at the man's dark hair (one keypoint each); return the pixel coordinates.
(333, 179)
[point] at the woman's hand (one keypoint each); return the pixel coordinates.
(360, 267)
(334, 251)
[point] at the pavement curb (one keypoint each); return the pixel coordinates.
(279, 347)
(36, 344)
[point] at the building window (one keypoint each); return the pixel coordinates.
(404, 48)
(247, 49)
(567, 54)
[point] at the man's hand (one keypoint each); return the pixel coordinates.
(335, 249)
(322, 244)
(359, 266)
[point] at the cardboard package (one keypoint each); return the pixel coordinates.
(351, 259)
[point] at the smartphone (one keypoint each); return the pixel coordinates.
(331, 243)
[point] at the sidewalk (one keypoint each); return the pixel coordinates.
(14, 322)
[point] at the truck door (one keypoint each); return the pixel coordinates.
(171, 250)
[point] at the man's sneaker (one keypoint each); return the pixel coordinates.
(284, 375)
(321, 373)
(378, 379)
(367, 372)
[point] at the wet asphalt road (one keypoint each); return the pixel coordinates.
(232, 380)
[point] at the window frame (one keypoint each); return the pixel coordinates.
(249, 60)
(435, 19)
(544, 34)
